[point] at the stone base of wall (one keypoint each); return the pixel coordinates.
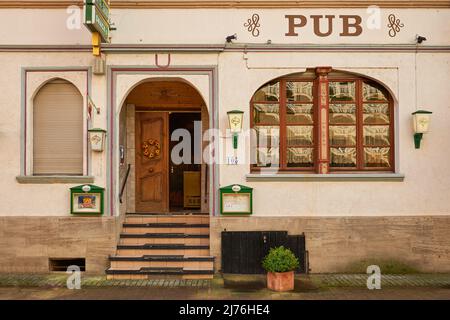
(27, 243)
(337, 244)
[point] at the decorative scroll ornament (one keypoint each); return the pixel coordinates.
(394, 25)
(253, 25)
(151, 149)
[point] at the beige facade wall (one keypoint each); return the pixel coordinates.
(63, 26)
(423, 192)
(334, 214)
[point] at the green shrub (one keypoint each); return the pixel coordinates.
(280, 259)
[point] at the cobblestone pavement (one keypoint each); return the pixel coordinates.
(59, 280)
(189, 293)
(320, 280)
(317, 286)
(360, 280)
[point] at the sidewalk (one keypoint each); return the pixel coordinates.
(316, 281)
(225, 287)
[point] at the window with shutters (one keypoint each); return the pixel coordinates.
(58, 130)
(353, 131)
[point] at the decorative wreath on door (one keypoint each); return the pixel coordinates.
(151, 148)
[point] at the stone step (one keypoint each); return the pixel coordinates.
(162, 249)
(170, 225)
(164, 235)
(136, 219)
(164, 240)
(159, 273)
(160, 246)
(166, 228)
(136, 263)
(162, 258)
(169, 214)
(159, 277)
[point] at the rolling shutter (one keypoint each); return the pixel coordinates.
(58, 130)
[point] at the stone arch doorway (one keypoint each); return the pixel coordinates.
(161, 127)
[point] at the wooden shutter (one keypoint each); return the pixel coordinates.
(58, 130)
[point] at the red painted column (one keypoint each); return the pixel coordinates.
(322, 120)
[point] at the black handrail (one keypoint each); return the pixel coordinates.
(122, 189)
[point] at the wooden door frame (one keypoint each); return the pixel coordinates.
(204, 177)
(116, 100)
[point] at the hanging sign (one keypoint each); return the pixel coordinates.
(96, 17)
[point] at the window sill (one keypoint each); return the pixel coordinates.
(326, 177)
(54, 179)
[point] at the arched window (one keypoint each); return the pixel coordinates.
(58, 130)
(358, 115)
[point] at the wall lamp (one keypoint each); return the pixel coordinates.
(230, 39)
(97, 139)
(420, 39)
(421, 123)
(235, 122)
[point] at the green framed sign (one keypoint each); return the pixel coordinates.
(96, 17)
(102, 5)
(236, 199)
(87, 199)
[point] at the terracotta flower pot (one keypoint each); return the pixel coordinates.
(280, 281)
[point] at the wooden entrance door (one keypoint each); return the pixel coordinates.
(152, 188)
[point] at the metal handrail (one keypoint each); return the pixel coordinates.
(124, 183)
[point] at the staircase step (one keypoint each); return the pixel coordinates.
(174, 271)
(170, 214)
(185, 241)
(167, 270)
(185, 228)
(163, 235)
(166, 219)
(162, 249)
(158, 273)
(191, 262)
(161, 258)
(163, 238)
(166, 225)
(162, 246)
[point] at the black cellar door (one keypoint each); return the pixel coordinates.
(243, 251)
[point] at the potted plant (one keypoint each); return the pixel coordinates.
(280, 264)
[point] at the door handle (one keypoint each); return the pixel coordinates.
(150, 170)
(171, 169)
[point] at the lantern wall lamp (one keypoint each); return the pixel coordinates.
(97, 139)
(235, 123)
(421, 123)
